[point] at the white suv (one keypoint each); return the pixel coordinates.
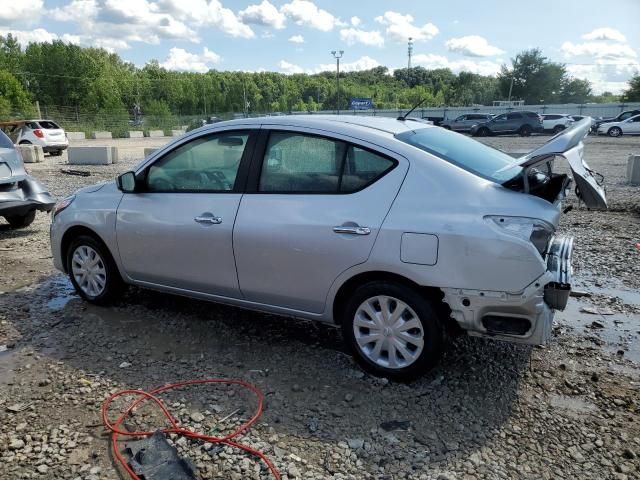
(556, 122)
(45, 133)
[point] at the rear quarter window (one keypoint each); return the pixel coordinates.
(49, 125)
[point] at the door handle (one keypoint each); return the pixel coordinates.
(211, 220)
(355, 230)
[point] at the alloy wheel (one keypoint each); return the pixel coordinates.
(89, 271)
(388, 332)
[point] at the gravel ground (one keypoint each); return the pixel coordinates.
(490, 410)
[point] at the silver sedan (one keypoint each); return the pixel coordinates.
(398, 231)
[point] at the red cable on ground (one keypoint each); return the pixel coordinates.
(227, 439)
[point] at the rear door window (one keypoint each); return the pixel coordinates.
(48, 125)
(300, 163)
(513, 116)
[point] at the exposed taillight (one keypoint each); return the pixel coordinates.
(38, 133)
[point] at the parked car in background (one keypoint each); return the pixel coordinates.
(395, 230)
(618, 118)
(45, 133)
(523, 123)
(20, 194)
(554, 122)
(463, 123)
(630, 126)
(577, 118)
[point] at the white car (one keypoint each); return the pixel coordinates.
(630, 126)
(555, 123)
(45, 133)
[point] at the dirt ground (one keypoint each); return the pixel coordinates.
(491, 410)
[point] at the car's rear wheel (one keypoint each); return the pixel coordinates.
(25, 142)
(614, 132)
(525, 131)
(558, 128)
(483, 132)
(56, 153)
(21, 221)
(392, 330)
(93, 271)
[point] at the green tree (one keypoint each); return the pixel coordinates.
(535, 78)
(14, 99)
(632, 94)
(575, 90)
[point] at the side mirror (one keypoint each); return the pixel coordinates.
(126, 182)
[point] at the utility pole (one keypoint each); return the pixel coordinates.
(337, 55)
(511, 87)
(409, 53)
(244, 97)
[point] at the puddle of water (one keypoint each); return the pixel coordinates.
(620, 331)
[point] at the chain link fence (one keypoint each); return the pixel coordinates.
(74, 119)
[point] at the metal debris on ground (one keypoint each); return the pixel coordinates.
(154, 458)
(79, 173)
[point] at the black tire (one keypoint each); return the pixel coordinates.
(24, 142)
(56, 153)
(558, 128)
(483, 132)
(446, 127)
(113, 284)
(431, 329)
(525, 131)
(614, 132)
(21, 221)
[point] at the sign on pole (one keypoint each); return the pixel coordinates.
(360, 104)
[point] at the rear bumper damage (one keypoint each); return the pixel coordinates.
(523, 317)
(22, 197)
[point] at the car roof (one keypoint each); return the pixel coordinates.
(389, 125)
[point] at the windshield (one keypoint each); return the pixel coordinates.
(473, 156)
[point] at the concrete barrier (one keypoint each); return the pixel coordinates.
(101, 135)
(91, 155)
(76, 135)
(633, 169)
(149, 151)
(115, 156)
(136, 134)
(31, 153)
(156, 133)
(177, 133)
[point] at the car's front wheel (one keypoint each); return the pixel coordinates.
(615, 132)
(392, 330)
(21, 221)
(93, 271)
(558, 128)
(483, 132)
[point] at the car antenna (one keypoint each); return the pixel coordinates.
(402, 118)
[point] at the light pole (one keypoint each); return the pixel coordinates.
(337, 55)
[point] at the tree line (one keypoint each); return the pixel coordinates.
(94, 80)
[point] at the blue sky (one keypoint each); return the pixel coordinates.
(291, 36)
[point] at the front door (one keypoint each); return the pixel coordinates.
(315, 211)
(177, 230)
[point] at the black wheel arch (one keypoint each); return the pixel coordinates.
(436, 295)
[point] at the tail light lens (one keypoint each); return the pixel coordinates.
(38, 133)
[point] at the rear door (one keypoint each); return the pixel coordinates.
(313, 209)
(632, 125)
(458, 123)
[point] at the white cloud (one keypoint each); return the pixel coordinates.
(605, 33)
(25, 37)
(363, 63)
(19, 9)
(296, 39)
(599, 51)
(473, 46)
(290, 68)
(207, 13)
(181, 60)
(354, 35)
(305, 12)
(482, 67)
(80, 11)
(355, 21)
(264, 14)
(400, 27)
(604, 78)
